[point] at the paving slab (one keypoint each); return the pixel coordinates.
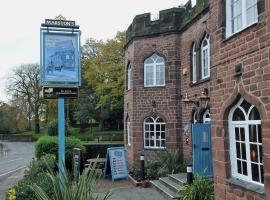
(125, 190)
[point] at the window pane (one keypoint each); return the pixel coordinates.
(152, 135)
(254, 114)
(243, 148)
(162, 127)
(151, 127)
(238, 150)
(148, 61)
(237, 138)
(242, 134)
(152, 143)
(251, 15)
(158, 136)
(239, 168)
(238, 115)
(255, 172)
(147, 135)
(261, 153)
(160, 60)
(259, 133)
(163, 143)
(149, 70)
(149, 119)
(146, 127)
(157, 127)
(252, 133)
(162, 135)
(244, 168)
(245, 105)
(253, 153)
(160, 120)
(158, 143)
(147, 143)
(262, 173)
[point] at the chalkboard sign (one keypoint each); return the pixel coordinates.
(116, 163)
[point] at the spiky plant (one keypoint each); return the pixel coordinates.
(69, 189)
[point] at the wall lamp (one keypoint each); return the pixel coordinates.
(202, 100)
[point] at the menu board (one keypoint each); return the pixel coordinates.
(116, 163)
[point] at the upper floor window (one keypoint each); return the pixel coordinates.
(193, 64)
(129, 74)
(154, 71)
(154, 132)
(205, 58)
(240, 14)
(246, 151)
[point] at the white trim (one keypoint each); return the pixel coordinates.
(229, 24)
(154, 123)
(194, 64)
(207, 50)
(129, 74)
(233, 154)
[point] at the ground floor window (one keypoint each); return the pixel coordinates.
(246, 142)
(154, 132)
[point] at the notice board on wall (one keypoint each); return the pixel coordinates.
(116, 163)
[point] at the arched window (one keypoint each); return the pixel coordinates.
(129, 77)
(154, 71)
(246, 142)
(205, 58)
(128, 132)
(193, 64)
(206, 117)
(154, 132)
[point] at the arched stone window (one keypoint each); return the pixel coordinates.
(207, 117)
(205, 57)
(246, 150)
(154, 132)
(154, 71)
(129, 77)
(193, 64)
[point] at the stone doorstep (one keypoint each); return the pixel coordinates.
(170, 185)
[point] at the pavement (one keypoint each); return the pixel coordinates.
(125, 190)
(14, 158)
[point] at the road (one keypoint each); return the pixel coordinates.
(14, 158)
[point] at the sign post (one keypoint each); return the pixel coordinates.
(60, 71)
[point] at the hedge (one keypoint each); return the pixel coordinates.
(49, 145)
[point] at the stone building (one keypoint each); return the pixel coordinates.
(198, 80)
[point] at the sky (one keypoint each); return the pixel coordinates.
(99, 19)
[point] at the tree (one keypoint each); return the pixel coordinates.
(104, 73)
(24, 84)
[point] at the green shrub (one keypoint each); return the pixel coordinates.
(36, 174)
(201, 189)
(83, 189)
(49, 145)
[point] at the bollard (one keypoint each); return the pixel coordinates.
(142, 167)
(189, 174)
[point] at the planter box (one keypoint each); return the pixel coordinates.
(134, 182)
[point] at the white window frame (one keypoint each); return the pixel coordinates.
(128, 133)
(207, 50)
(193, 3)
(194, 64)
(154, 123)
(229, 18)
(233, 154)
(129, 74)
(154, 66)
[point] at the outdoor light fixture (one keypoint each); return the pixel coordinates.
(203, 99)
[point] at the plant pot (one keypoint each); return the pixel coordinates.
(145, 184)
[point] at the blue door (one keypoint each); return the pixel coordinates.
(202, 150)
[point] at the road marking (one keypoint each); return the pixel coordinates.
(10, 160)
(12, 171)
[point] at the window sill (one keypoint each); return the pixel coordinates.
(155, 86)
(233, 35)
(199, 82)
(247, 185)
(154, 148)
